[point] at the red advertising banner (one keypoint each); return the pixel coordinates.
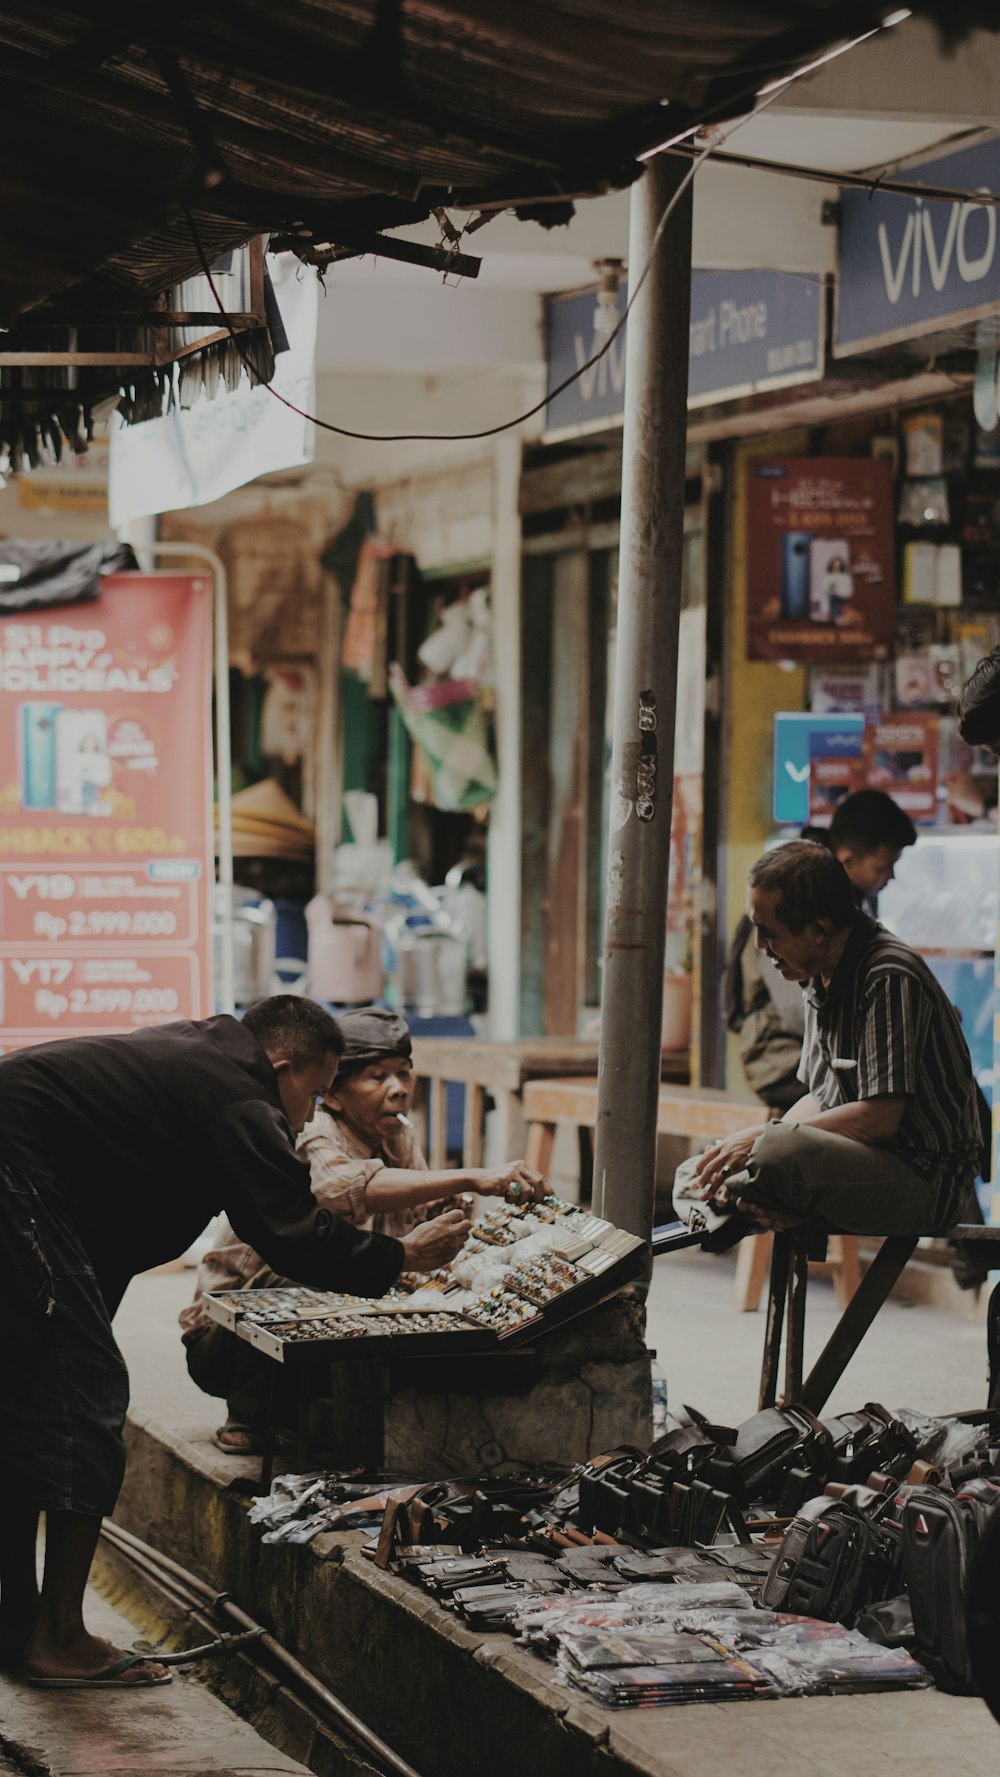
(900, 757)
(820, 559)
(106, 855)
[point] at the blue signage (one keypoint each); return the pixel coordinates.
(907, 263)
(749, 330)
(798, 740)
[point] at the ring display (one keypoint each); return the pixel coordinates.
(526, 1267)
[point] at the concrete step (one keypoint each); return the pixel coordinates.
(452, 1701)
(175, 1730)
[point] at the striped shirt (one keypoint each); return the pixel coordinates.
(885, 1027)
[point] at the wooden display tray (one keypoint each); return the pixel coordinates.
(468, 1339)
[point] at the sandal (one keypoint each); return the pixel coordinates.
(113, 1677)
(239, 1440)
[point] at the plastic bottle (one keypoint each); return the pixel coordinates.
(659, 1382)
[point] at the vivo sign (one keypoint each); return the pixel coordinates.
(749, 330)
(908, 264)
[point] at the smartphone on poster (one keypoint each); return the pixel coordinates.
(37, 754)
(795, 576)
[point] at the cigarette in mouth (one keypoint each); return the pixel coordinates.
(404, 1120)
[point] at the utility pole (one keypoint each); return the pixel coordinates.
(645, 700)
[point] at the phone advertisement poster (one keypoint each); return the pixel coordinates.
(820, 559)
(901, 758)
(106, 850)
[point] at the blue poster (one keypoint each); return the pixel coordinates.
(798, 739)
(749, 330)
(909, 262)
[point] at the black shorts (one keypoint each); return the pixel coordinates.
(65, 1388)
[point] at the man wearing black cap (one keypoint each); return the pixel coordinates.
(366, 1168)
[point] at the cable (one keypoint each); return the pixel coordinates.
(192, 1593)
(854, 181)
(506, 425)
(488, 431)
(700, 157)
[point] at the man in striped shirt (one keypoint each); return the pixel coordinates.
(887, 1139)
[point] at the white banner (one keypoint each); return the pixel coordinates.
(197, 454)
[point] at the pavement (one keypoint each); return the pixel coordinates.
(932, 1358)
(177, 1730)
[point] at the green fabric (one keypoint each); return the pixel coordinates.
(455, 743)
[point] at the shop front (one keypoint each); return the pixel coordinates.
(751, 332)
(862, 586)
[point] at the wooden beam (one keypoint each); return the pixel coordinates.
(39, 360)
(38, 319)
(344, 245)
(594, 475)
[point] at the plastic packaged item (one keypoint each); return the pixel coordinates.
(253, 922)
(345, 954)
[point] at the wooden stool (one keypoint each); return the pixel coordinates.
(787, 1297)
(842, 1262)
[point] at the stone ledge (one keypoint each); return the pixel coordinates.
(453, 1701)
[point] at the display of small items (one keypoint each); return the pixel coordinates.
(523, 1258)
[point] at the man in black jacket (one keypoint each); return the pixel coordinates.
(114, 1153)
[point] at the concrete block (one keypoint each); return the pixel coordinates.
(587, 1390)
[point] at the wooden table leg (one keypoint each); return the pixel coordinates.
(438, 1110)
(472, 1129)
(418, 1112)
(752, 1259)
(539, 1145)
(888, 1264)
(512, 1130)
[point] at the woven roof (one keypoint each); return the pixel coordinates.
(349, 115)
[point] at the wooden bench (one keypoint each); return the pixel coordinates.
(500, 1070)
(701, 1113)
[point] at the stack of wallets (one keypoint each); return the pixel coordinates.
(652, 1668)
(525, 1268)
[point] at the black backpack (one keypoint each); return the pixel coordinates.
(941, 1537)
(835, 1560)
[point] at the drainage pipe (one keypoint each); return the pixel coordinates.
(180, 1581)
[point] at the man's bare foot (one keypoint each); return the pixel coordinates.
(87, 1657)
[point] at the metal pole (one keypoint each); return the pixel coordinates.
(503, 904)
(329, 750)
(645, 697)
(226, 986)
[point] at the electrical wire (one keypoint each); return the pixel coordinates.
(855, 181)
(700, 157)
(487, 431)
(711, 147)
(200, 1599)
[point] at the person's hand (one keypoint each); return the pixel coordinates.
(435, 1242)
(719, 1161)
(516, 1181)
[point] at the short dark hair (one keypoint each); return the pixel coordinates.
(811, 884)
(288, 1025)
(979, 703)
(869, 818)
